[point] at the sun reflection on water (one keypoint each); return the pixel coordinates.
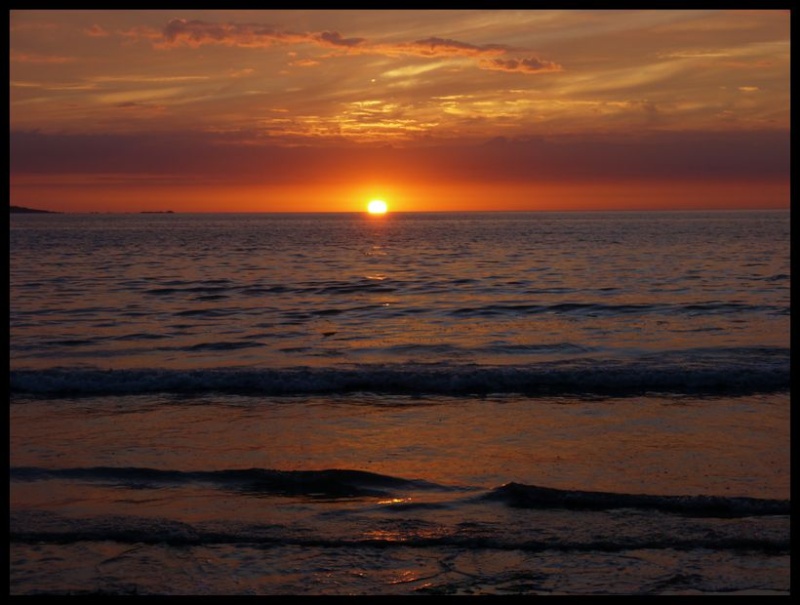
(394, 501)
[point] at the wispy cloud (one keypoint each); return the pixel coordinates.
(241, 73)
(148, 79)
(144, 109)
(52, 86)
(20, 57)
(304, 63)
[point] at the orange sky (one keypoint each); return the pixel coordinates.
(262, 110)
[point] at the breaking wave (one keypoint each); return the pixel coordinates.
(696, 372)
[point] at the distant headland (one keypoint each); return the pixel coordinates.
(22, 209)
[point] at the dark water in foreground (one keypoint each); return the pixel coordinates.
(409, 404)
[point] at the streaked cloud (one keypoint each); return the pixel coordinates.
(21, 57)
(304, 63)
(133, 96)
(148, 79)
(54, 86)
(241, 73)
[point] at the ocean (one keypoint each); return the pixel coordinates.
(414, 403)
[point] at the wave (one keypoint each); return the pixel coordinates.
(344, 289)
(329, 483)
(739, 371)
(532, 496)
(593, 309)
(347, 483)
(343, 508)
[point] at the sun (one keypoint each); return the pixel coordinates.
(377, 207)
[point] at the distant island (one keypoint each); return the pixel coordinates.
(156, 212)
(22, 209)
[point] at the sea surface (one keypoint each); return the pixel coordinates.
(433, 403)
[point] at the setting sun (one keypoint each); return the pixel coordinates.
(377, 207)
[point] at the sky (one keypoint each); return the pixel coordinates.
(429, 110)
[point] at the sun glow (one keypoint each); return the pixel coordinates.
(377, 207)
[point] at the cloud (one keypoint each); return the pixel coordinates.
(141, 32)
(304, 63)
(43, 86)
(196, 33)
(96, 31)
(440, 47)
(19, 57)
(241, 73)
(32, 25)
(241, 157)
(531, 65)
(148, 79)
(335, 39)
(144, 110)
